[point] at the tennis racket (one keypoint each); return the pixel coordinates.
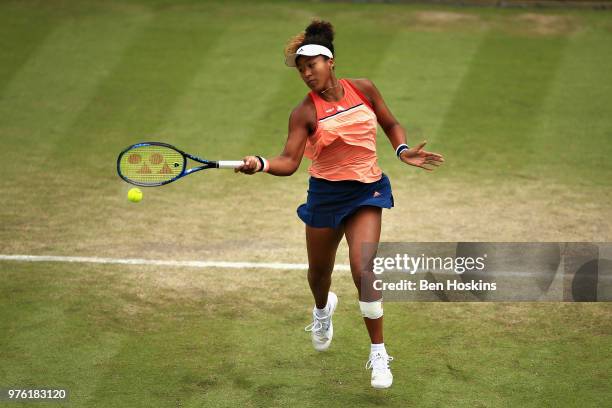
(151, 164)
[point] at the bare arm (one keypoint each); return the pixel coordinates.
(285, 164)
(394, 131)
(414, 156)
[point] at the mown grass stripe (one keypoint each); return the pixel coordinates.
(502, 94)
(47, 95)
(133, 101)
(576, 144)
(31, 28)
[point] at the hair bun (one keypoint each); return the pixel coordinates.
(319, 29)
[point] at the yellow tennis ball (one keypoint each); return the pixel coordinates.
(135, 195)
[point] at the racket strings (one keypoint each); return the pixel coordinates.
(151, 164)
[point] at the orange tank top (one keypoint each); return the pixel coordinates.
(343, 146)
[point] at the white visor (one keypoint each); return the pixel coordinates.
(309, 50)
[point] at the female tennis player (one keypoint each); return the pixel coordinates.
(335, 126)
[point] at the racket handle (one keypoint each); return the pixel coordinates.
(230, 164)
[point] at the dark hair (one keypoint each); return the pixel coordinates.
(321, 33)
(318, 32)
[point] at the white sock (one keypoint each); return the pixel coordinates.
(378, 348)
(321, 312)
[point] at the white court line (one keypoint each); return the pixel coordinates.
(238, 265)
(158, 262)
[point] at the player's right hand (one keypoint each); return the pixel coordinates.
(250, 166)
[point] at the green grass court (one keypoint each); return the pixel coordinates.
(518, 101)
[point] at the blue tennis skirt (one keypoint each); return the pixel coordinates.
(330, 202)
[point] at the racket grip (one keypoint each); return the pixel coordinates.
(230, 164)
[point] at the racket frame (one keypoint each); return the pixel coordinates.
(207, 164)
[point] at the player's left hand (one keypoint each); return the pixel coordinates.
(416, 156)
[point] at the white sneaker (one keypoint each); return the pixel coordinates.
(381, 374)
(321, 328)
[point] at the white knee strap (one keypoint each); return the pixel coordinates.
(371, 310)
